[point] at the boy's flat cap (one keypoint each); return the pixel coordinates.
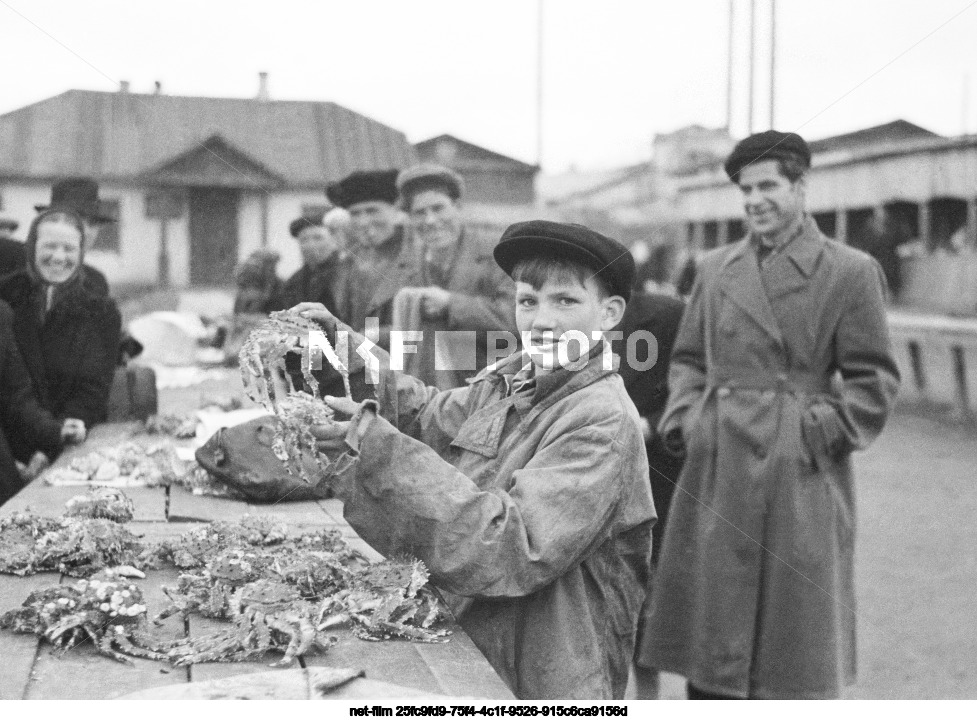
(427, 176)
(363, 186)
(768, 145)
(608, 258)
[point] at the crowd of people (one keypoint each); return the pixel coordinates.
(585, 514)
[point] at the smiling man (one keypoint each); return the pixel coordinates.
(782, 367)
(454, 276)
(377, 243)
(525, 492)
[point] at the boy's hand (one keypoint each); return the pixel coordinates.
(315, 311)
(331, 438)
(73, 431)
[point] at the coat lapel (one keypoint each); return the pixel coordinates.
(792, 271)
(740, 282)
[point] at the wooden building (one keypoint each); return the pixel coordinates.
(195, 183)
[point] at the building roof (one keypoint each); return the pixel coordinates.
(892, 132)
(462, 155)
(122, 135)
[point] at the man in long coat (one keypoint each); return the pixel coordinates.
(782, 368)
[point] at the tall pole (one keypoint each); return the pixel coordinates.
(749, 113)
(729, 71)
(773, 61)
(539, 84)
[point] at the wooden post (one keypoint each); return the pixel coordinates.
(264, 218)
(925, 224)
(163, 271)
(841, 225)
(722, 236)
(972, 222)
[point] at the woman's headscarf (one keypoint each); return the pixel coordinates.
(49, 294)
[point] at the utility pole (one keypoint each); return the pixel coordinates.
(729, 71)
(773, 61)
(539, 84)
(749, 113)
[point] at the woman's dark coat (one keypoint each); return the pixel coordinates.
(20, 411)
(68, 352)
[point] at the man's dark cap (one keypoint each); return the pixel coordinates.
(610, 260)
(79, 195)
(363, 186)
(768, 145)
(306, 221)
(9, 223)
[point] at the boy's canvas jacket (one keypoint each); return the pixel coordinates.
(532, 512)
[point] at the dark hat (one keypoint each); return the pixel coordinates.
(608, 258)
(429, 177)
(300, 224)
(362, 186)
(9, 223)
(768, 145)
(79, 195)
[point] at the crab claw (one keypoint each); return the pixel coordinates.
(127, 571)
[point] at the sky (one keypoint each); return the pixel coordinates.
(614, 72)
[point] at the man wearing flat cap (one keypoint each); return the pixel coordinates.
(782, 368)
(378, 243)
(11, 250)
(325, 273)
(454, 283)
(525, 492)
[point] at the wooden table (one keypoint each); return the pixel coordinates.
(29, 671)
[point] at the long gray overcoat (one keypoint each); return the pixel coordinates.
(776, 377)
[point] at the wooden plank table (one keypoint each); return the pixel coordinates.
(29, 671)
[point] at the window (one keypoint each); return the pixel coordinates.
(108, 233)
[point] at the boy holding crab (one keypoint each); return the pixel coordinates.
(525, 493)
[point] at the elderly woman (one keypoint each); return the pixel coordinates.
(67, 336)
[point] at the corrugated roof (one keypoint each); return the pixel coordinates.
(123, 135)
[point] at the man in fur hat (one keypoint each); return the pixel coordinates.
(378, 243)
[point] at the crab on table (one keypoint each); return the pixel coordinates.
(19, 534)
(266, 381)
(101, 502)
(106, 609)
(267, 616)
(209, 590)
(197, 546)
(71, 545)
(389, 599)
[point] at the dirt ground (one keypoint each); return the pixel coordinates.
(916, 563)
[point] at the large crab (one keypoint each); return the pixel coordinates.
(195, 547)
(73, 546)
(107, 609)
(177, 425)
(209, 590)
(19, 534)
(267, 615)
(101, 502)
(386, 600)
(266, 381)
